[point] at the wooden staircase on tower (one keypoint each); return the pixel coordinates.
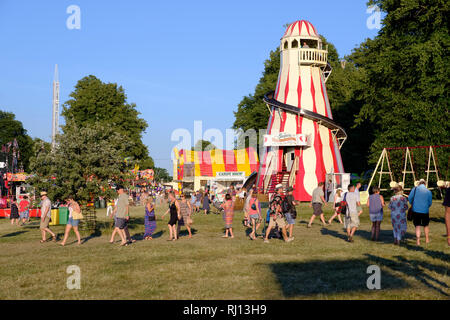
(285, 177)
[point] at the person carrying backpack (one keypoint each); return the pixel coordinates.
(276, 215)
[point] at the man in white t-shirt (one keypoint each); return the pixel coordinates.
(46, 214)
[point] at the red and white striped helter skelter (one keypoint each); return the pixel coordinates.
(303, 142)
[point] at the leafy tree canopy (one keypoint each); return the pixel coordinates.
(11, 128)
(96, 102)
(404, 91)
(84, 164)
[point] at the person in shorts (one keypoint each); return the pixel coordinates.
(421, 199)
(254, 213)
(72, 223)
(46, 214)
(121, 216)
(317, 201)
(24, 212)
(276, 220)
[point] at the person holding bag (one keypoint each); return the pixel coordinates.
(75, 216)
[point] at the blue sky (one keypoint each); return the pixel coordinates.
(179, 61)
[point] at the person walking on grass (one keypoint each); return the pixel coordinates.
(276, 220)
(247, 219)
(174, 209)
(352, 212)
(46, 214)
(185, 212)
(317, 201)
(206, 201)
(375, 203)
(14, 212)
(291, 213)
(398, 206)
(121, 216)
(150, 218)
(73, 221)
(337, 203)
(24, 207)
(254, 214)
(228, 207)
(420, 199)
(193, 201)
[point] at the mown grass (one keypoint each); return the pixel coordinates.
(318, 264)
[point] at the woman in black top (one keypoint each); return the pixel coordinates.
(174, 209)
(14, 212)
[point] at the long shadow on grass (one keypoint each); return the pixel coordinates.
(97, 233)
(431, 253)
(329, 277)
(13, 234)
(415, 268)
(328, 232)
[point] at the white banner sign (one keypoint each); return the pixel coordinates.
(235, 174)
(286, 139)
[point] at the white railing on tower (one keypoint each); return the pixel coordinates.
(312, 56)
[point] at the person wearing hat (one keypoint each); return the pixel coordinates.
(317, 201)
(421, 199)
(46, 214)
(292, 214)
(338, 197)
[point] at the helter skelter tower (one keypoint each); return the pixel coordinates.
(302, 144)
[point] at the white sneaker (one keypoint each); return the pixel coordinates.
(266, 241)
(289, 239)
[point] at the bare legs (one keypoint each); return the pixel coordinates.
(322, 218)
(255, 227)
(376, 225)
(427, 234)
(172, 232)
(351, 233)
(44, 234)
(66, 234)
(122, 235)
(230, 231)
(334, 216)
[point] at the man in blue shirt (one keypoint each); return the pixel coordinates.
(421, 199)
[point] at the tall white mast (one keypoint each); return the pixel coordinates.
(55, 105)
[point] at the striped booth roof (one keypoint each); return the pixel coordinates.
(208, 163)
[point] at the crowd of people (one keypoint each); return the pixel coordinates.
(281, 213)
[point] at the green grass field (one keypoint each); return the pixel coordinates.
(318, 264)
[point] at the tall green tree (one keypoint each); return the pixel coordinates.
(85, 163)
(96, 102)
(405, 88)
(11, 128)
